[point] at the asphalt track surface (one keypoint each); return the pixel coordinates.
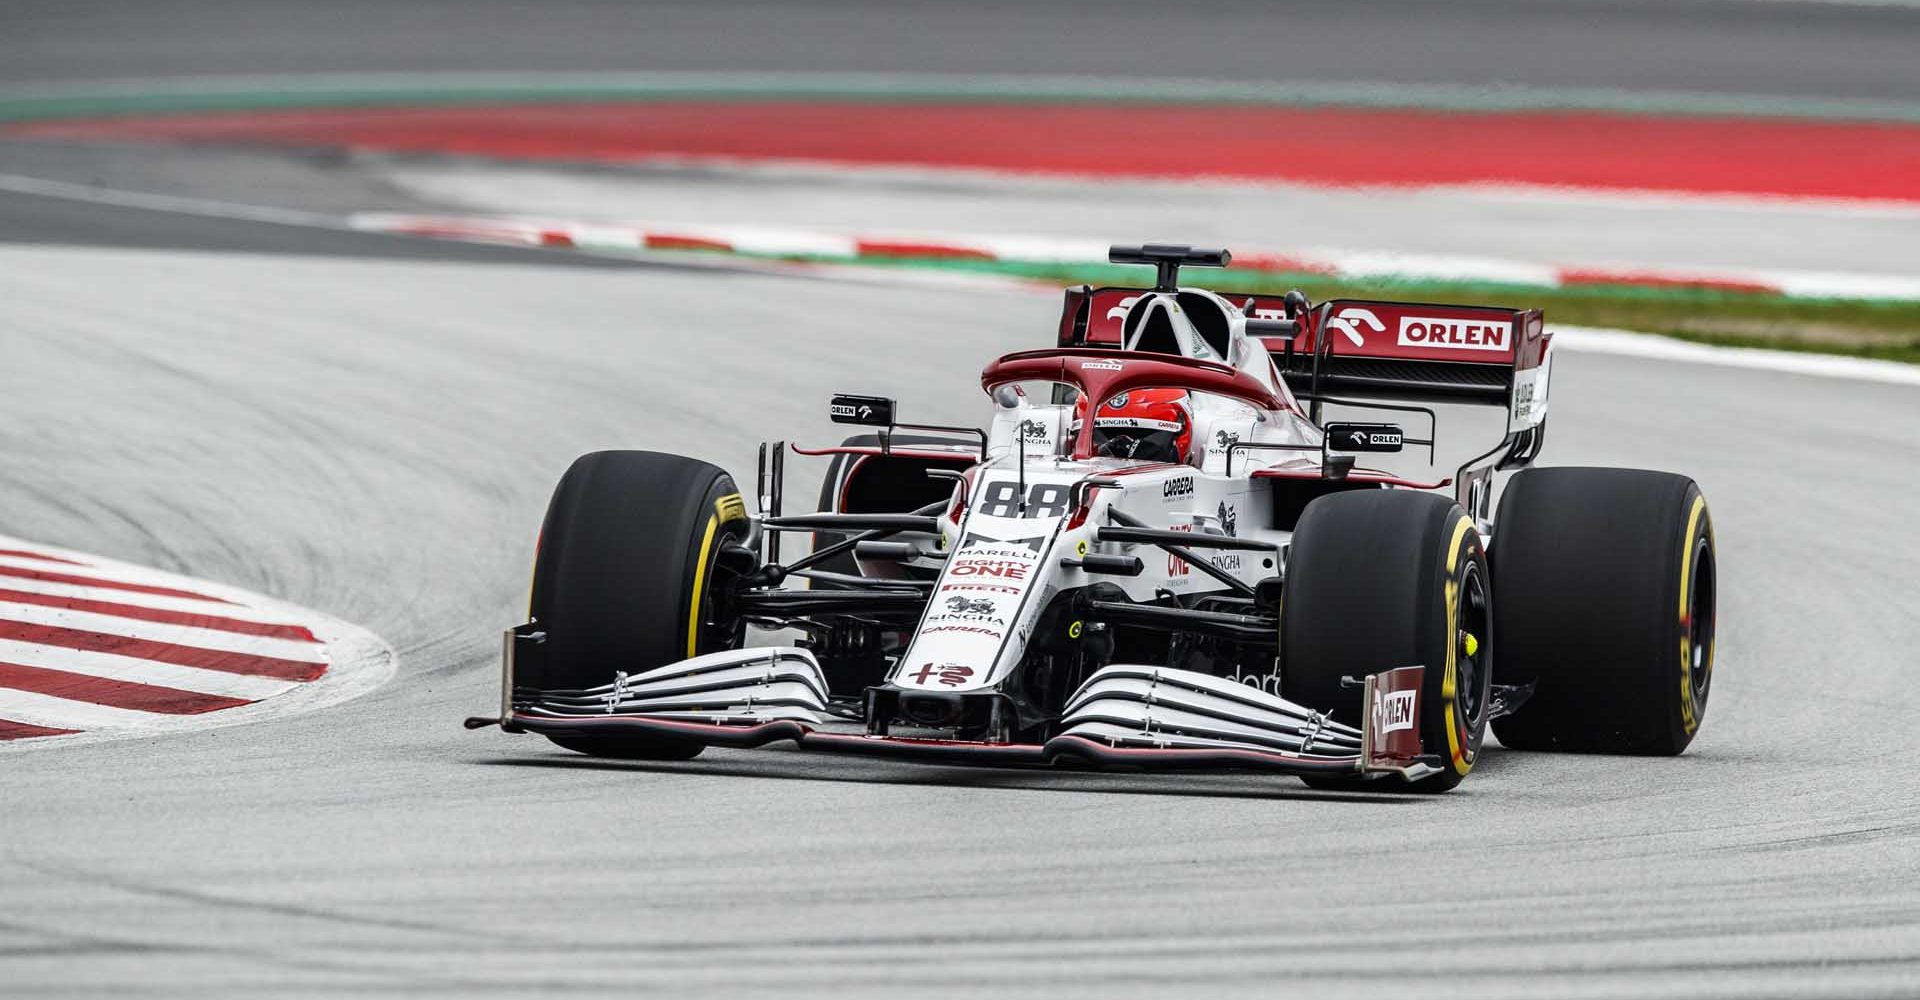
(1721, 46)
(370, 426)
(376, 439)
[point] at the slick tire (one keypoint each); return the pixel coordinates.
(624, 577)
(1378, 579)
(1607, 586)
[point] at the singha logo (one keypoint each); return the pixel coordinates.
(1033, 430)
(1222, 440)
(968, 606)
(1229, 520)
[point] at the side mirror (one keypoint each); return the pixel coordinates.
(871, 411)
(1364, 437)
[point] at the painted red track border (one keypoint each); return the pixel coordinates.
(1314, 145)
(164, 652)
(95, 649)
(113, 693)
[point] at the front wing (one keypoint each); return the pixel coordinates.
(1125, 717)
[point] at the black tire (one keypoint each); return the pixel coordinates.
(1378, 579)
(624, 576)
(1607, 605)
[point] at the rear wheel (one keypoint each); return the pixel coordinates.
(625, 577)
(1382, 579)
(1608, 591)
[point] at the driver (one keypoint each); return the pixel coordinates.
(1152, 425)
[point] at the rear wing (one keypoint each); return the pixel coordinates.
(1414, 350)
(1385, 351)
(1386, 355)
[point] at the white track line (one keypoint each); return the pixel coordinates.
(179, 635)
(37, 709)
(1641, 345)
(119, 572)
(766, 241)
(134, 598)
(141, 671)
(1623, 342)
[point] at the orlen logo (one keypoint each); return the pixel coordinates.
(1345, 319)
(1392, 711)
(1471, 335)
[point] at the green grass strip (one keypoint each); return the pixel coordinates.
(1885, 329)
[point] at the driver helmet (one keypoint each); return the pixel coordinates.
(1153, 425)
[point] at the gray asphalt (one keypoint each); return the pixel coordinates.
(1726, 46)
(376, 439)
(370, 427)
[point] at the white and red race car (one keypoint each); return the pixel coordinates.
(1158, 556)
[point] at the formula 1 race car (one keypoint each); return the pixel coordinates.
(1161, 555)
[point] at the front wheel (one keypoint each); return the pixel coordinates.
(1378, 579)
(625, 577)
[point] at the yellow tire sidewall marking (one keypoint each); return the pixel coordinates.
(1689, 719)
(1458, 752)
(727, 508)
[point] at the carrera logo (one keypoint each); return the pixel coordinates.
(1421, 331)
(975, 629)
(1392, 711)
(1105, 366)
(1177, 487)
